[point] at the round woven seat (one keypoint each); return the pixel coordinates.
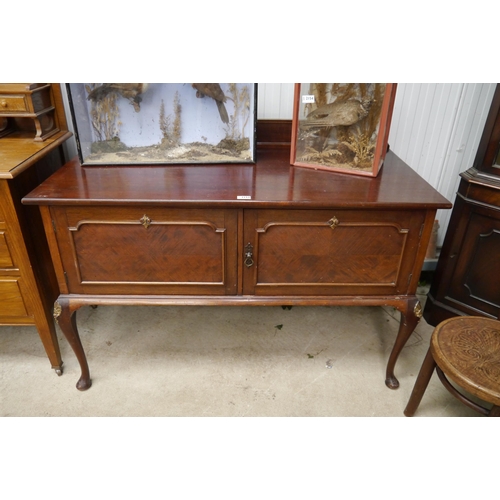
(466, 351)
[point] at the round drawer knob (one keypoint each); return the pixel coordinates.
(3, 103)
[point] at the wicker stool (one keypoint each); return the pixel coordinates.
(465, 350)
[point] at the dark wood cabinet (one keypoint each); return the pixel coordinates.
(260, 234)
(467, 278)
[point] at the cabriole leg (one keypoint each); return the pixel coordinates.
(65, 315)
(410, 316)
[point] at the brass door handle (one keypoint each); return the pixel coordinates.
(248, 255)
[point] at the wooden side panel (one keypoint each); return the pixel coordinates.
(6, 261)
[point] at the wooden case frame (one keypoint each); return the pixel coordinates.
(338, 116)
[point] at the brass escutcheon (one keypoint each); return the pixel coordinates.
(333, 222)
(145, 221)
(248, 255)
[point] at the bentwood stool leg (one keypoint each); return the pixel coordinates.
(494, 412)
(465, 352)
(421, 384)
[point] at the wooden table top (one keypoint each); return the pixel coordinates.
(18, 151)
(271, 182)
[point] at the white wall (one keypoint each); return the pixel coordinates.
(275, 101)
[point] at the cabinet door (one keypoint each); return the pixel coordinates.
(474, 286)
(334, 252)
(124, 250)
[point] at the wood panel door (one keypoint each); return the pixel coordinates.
(147, 250)
(474, 284)
(330, 252)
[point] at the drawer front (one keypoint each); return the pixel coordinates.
(6, 260)
(340, 252)
(12, 104)
(148, 251)
(12, 306)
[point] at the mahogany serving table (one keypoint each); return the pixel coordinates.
(259, 234)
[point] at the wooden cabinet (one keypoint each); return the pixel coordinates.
(467, 278)
(262, 234)
(28, 284)
(31, 106)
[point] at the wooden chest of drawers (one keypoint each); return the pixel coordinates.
(28, 285)
(263, 234)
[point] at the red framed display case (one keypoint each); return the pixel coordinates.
(342, 127)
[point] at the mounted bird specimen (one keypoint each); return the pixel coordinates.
(338, 113)
(131, 91)
(214, 91)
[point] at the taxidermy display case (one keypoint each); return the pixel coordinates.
(162, 123)
(343, 127)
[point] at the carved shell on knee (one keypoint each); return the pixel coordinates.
(57, 310)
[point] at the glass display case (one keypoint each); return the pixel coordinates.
(161, 123)
(342, 127)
